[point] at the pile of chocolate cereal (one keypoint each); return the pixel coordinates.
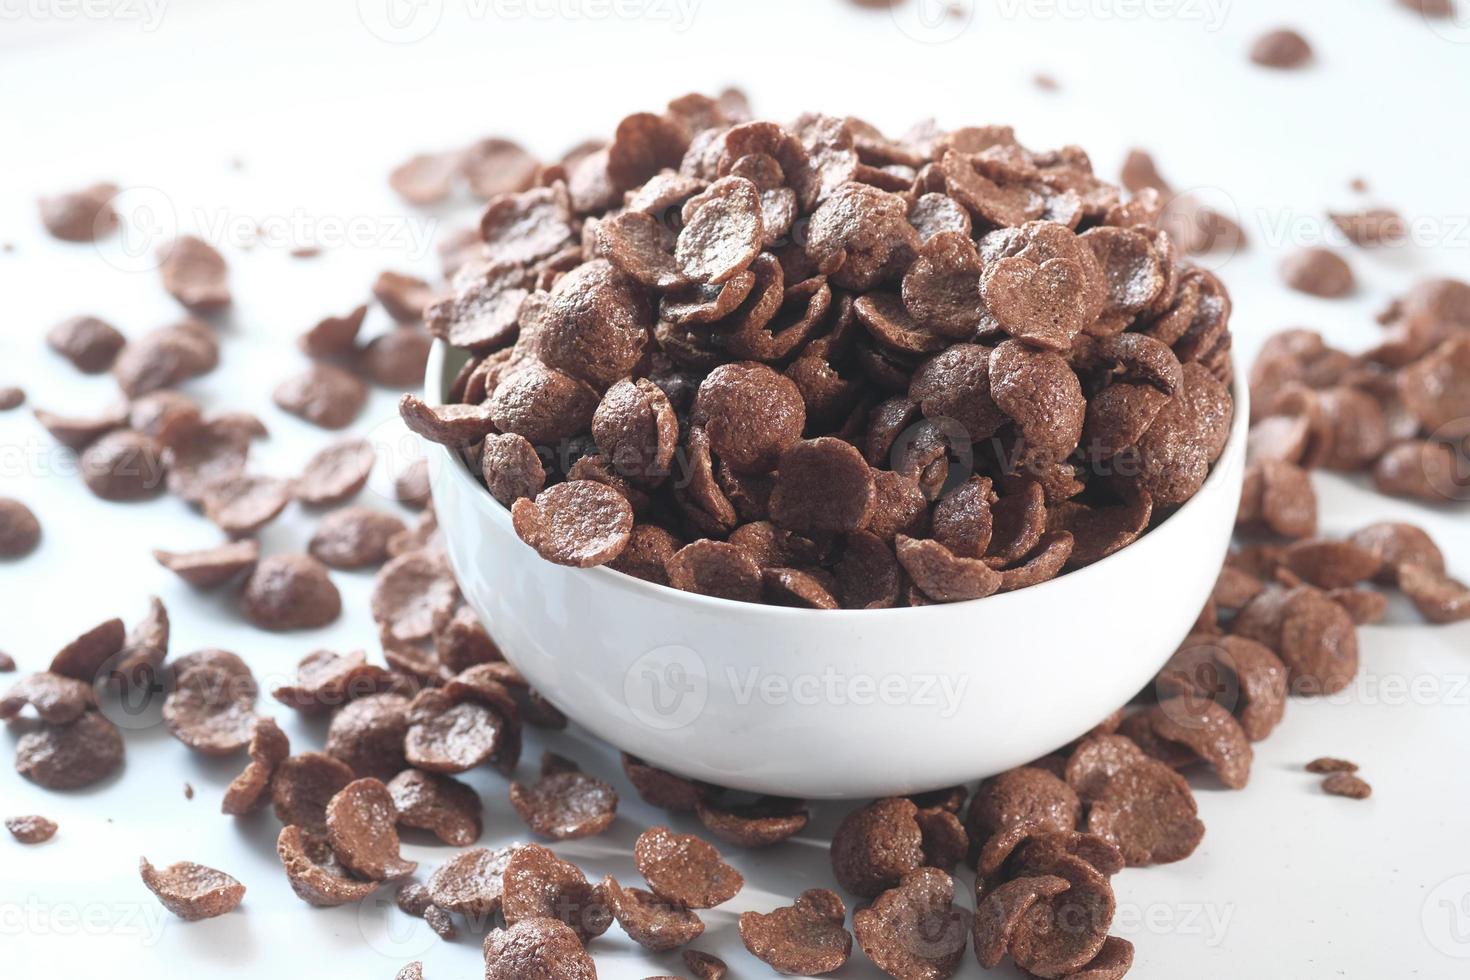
(1043, 840)
(816, 366)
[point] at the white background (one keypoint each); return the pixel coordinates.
(219, 115)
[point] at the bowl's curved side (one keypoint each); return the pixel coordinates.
(836, 704)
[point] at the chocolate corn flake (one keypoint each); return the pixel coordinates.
(413, 595)
(1439, 598)
(78, 432)
(56, 699)
(660, 788)
(207, 454)
(650, 921)
(512, 468)
(565, 805)
(315, 875)
(368, 733)
(1001, 909)
(84, 657)
(1112, 962)
(123, 466)
(1346, 784)
(326, 680)
(449, 425)
(1327, 765)
(472, 883)
(806, 938)
(942, 288)
(212, 567)
(704, 966)
(1396, 545)
(822, 485)
(70, 756)
(723, 231)
(1209, 731)
(751, 414)
(425, 178)
(414, 899)
(942, 575)
(463, 642)
(333, 336)
(876, 845)
(1042, 565)
(211, 708)
(1235, 587)
(354, 537)
(90, 344)
(763, 822)
(1370, 227)
(1097, 759)
(636, 430)
(195, 274)
(31, 829)
(1318, 272)
(1148, 811)
(1313, 636)
(1239, 674)
(411, 485)
(84, 215)
(1418, 469)
(580, 523)
(437, 803)
(1060, 934)
(192, 891)
(538, 884)
(684, 870)
(269, 747)
(336, 473)
(449, 736)
(405, 297)
(914, 931)
(396, 359)
(1281, 48)
(1330, 564)
(1365, 606)
(290, 592)
(324, 395)
(945, 840)
(596, 324)
(361, 829)
(242, 506)
(537, 948)
(166, 357)
(1278, 497)
(303, 785)
(1026, 796)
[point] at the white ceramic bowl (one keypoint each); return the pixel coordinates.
(824, 704)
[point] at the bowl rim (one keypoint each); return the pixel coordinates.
(608, 578)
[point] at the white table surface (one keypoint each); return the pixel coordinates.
(167, 98)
